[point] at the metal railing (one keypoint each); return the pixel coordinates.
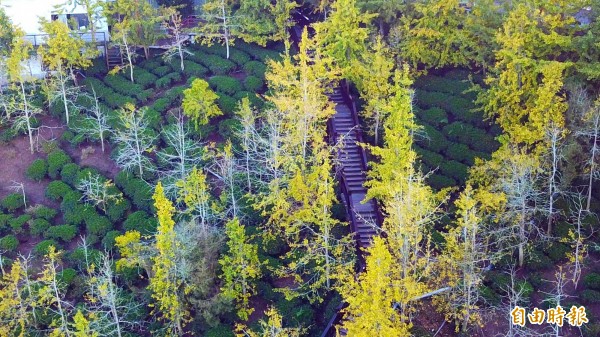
(40, 39)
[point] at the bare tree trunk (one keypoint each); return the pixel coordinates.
(592, 163)
(27, 118)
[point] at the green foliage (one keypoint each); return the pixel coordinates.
(57, 190)
(144, 78)
(44, 212)
(239, 57)
(65, 233)
(433, 116)
(66, 276)
(136, 189)
(192, 69)
(461, 153)
(255, 100)
(37, 170)
(144, 95)
(454, 84)
(77, 256)
(592, 281)
(257, 52)
(589, 296)
(220, 331)
(431, 159)
(228, 128)
(161, 105)
(56, 160)
(141, 222)
(41, 248)
(9, 243)
(108, 243)
(115, 211)
(218, 65)
(175, 94)
(4, 219)
(255, 68)
(475, 138)
(557, 251)
(225, 84)
(536, 260)
(17, 223)
(253, 84)
(454, 170)
(227, 104)
(432, 139)
(122, 85)
(38, 226)
(98, 225)
(68, 174)
(167, 80)
(161, 71)
(97, 68)
(13, 202)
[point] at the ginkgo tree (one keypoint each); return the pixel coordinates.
(199, 102)
(63, 52)
(241, 268)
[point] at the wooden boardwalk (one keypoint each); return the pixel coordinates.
(352, 166)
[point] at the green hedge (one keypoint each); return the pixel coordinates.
(122, 85)
(68, 174)
(13, 202)
(9, 243)
(56, 160)
(227, 104)
(97, 68)
(115, 211)
(592, 281)
(431, 159)
(225, 84)
(239, 57)
(161, 105)
(454, 170)
(138, 191)
(228, 128)
(144, 78)
(167, 80)
(257, 52)
(192, 69)
(456, 87)
(38, 226)
(98, 225)
(64, 233)
(57, 190)
(431, 139)
(433, 116)
(253, 84)
(17, 223)
(218, 65)
(476, 138)
(141, 222)
(44, 212)
(254, 99)
(161, 71)
(41, 248)
(461, 153)
(255, 68)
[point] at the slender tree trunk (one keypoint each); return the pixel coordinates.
(64, 94)
(27, 118)
(225, 29)
(592, 164)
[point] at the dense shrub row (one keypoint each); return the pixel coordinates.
(460, 108)
(442, 84)
(225, 84)
(144, 78)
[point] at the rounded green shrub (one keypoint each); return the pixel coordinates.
(16, 224)
(431, 159)
(116, 210)
(454, 170)
(98, 225)
(161, 71)
(161, 105)
(37, 170)
(225, 84)
(192, 69)
(220, 330)
(228, 128)
(253, 84)
(78, 256)
(44, 212)
(255, 68)
(255, 100)
(68, 174)
(143, 77)
(590, 296)
(557, 251)
(38, 226)
(431, 139)
(592, 281)
(64, 233)
(239, 57)
(66, 276)
(57, 190)
(433, 116)
(9, 243)
(141, 222)
(109, 240)
(56, 160)
(227, 104)
(218, 65)
(438, 181)
(13, 202)
(41, 248)
(461, 153)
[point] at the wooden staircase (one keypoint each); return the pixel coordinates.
(352, 167)
(114, 57)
